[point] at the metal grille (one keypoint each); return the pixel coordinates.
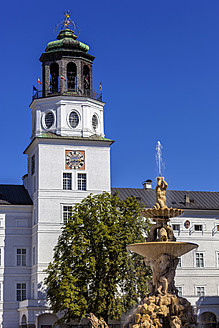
(94, 122)
(67, 181)
(49, 120)
(82, 181)
(73, 119)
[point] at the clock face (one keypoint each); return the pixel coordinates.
(74, 159)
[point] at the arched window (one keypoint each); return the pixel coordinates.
(54, 77)
(72, 77)
(95, 122)
(207, 320)
(24, 321)
(86, 78)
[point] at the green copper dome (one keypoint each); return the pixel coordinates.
(66, 40)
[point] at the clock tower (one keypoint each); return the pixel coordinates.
(68, 156)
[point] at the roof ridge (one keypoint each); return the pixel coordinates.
(199, 191)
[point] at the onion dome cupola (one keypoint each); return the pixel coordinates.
(67, 66)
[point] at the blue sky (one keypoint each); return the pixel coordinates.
(158, 64)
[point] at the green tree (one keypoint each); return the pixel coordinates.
(92, 271)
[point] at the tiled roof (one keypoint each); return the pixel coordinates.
(14, 195)
(201, 200)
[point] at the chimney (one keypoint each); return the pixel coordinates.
(187, 199)
(147, 184)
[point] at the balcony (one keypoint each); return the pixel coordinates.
(37, 94)
(33, 303)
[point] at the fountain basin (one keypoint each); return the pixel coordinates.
(153, 250)
(162, 212)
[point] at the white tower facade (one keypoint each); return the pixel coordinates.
(68, 158)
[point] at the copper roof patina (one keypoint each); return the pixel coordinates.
(66, 40)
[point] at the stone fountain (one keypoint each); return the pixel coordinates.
(163, 307)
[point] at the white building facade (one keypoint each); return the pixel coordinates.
(69, 158)
(197, 275)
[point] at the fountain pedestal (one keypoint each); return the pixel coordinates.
(162, 307)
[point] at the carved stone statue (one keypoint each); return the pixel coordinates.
(160, 194)
(97, 323)
(162, 307)
(175, 322)
(163, 270)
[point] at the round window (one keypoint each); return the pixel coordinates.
(94, 122)
(49, 119)
(73, 119)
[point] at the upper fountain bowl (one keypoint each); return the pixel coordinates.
(153, 250)
(162, 212)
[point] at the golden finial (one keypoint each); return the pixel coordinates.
(67, 21)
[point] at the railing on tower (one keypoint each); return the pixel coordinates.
(79, 93)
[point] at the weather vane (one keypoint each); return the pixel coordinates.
(67, 21)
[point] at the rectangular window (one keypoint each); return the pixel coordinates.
(179, 288)
(176, 227)
(217, 259)
(199, 260)
(179, 263)
(21, 256)
(21, 292)
(198, 227)
(33, 290)
(82, 181)
(32, 164)
(67, 212)
(200, 291)
(34, 255)
(34, 184)
(67, 181)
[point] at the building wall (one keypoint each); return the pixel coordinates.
(189, 276)
(15, 233)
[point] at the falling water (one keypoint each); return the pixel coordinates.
(159, 157)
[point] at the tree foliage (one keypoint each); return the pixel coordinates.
(92, 271)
